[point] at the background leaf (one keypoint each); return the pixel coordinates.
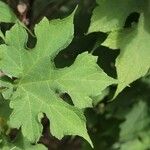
(134, 50)
(6, 14)
(111, 15)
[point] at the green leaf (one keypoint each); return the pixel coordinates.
(86, 73)
(134, 59)
(39, 82)
(136, 144)
(6, 14)
(100, 97)
(5, 111)
(6, 88)
(139, 116)
(19, 143)
(2, 35)
(135, 129)
(111, 15)
(113, 39)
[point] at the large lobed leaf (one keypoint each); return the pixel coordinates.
(39, 82)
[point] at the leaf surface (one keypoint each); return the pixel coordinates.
(19, 143)
(139, 116)
(39, 82)
(110, 15)
(135, 130)
(134, 59)
(6, 14)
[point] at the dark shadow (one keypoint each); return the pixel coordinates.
(133, 17)
(79, 44)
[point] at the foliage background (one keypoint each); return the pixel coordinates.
(121, 124)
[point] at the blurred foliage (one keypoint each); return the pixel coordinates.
(105, 120)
